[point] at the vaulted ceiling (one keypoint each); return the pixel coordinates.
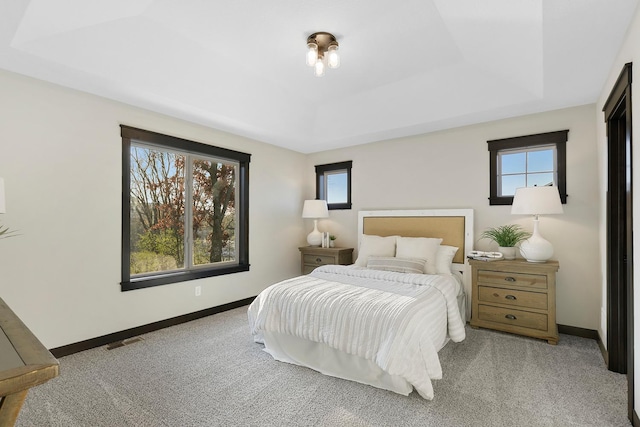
(407, 67)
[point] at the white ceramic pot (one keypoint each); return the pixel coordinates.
(507, 252)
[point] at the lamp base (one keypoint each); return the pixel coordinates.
(536, 248)
(315, 237)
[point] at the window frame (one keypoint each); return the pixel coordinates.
(321, 171)
(171, 143)
(557, 139)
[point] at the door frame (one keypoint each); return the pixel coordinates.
(620, 340)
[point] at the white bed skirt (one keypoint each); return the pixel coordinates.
(328, 361)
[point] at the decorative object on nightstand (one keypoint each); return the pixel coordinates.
(515, 296)
(315, 209)
(536, 201)
(507, 237)
(312, 257)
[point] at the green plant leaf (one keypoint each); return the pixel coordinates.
(506, 235)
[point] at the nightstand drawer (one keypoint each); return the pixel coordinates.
(507, 316)
(503, 278)
(311, 259)
(512, 297)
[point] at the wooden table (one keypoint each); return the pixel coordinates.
(24, 363)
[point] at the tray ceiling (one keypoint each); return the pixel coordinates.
(407, 67)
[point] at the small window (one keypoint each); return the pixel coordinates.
(333, 184)
(527, 161)
(184, 210)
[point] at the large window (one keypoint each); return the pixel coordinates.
(527, 161)
(184, 210)
(333, 184)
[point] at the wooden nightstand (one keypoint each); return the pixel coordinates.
(315, 256)
(515, 296)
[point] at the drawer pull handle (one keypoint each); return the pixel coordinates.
(511, 297)
(510, 317)
(510, 279)
(318, 259)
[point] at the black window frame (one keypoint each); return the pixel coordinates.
(321, 193)
(128, 134)
(557, 138)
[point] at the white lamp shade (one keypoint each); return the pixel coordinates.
(312, 54)
(319, 68)
(333, 57)
(537, 201)
(3, 206)
(315, 209)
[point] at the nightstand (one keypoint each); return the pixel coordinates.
(515, 296)
(315, 256)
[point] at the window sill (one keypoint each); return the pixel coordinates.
(147, 282)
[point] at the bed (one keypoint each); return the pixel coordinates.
(382, 320)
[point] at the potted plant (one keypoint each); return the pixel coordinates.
(507, 237)
(332, 240)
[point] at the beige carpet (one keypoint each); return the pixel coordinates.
(209, 373)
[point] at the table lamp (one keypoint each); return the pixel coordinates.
(536, 201)
(315, 209)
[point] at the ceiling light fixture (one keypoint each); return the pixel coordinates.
(323, 51)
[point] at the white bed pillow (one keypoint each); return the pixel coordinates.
(399, 265)
(444, 258)
(375, 246)
(419, 247)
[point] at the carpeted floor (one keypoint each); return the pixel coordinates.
(209, 373)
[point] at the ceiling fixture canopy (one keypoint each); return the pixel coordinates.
(323, 51)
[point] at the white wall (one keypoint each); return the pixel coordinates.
(450, 169)
(629, 52)
(60, 156)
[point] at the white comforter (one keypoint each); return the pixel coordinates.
(399, 321)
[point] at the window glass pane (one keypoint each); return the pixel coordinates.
(157, 211)
(540, 161)
(214, 222)
(513, 163)
(510, 183)
(336, 187)
(539, 179)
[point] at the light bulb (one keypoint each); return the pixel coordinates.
(319, 68)
(333, 57)
(312, 54)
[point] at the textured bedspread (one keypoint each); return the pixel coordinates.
(399, 321)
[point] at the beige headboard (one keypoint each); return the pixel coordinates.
(451, 229)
